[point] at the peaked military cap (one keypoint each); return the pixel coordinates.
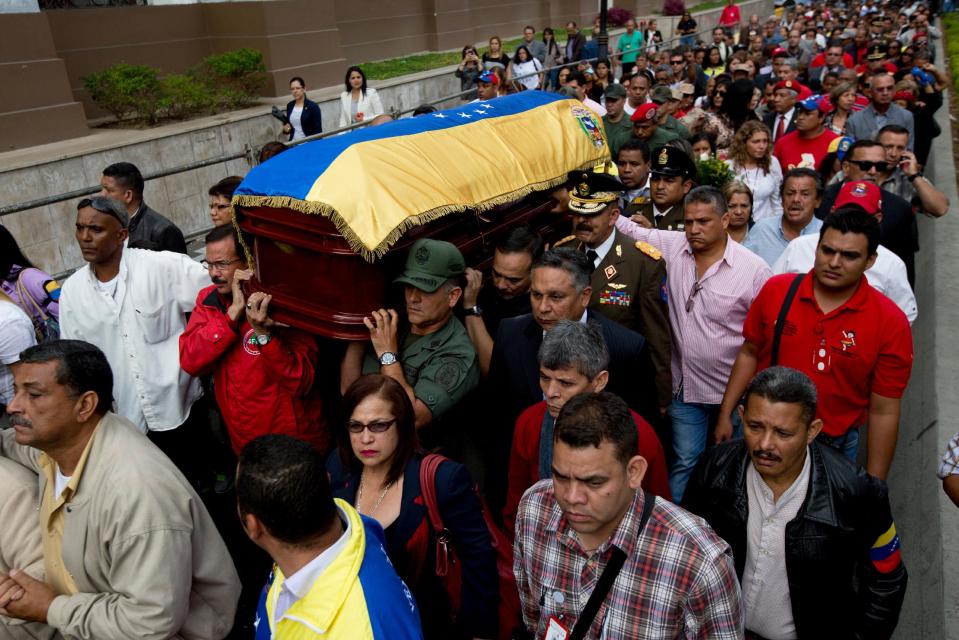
(669, 161)
(591, 192)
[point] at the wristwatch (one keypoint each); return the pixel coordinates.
(387, 358)
(913, 177)
(475, 310)
(263, 338)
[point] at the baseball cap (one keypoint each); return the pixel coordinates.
(865, 195)
(687, 89)
(430, 263)
(739, 66)
(840, 146)
(615, 91)
(661, 93)
(645, 112)
(488, 77)
(812, 103)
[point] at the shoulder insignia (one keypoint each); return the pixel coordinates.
(565, 240)
(649, 250)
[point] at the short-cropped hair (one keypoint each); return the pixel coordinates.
(282, 481)
(573, 262)
(782, 384)
(522, 239)
(853, 219)
(223, 232)
(589, 419)
(127, 176)
(577, 345)
(707, 194)
(81, 367)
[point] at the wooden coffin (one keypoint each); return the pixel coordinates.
(320, 285)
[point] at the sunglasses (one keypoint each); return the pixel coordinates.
(691, 300)
(868, 165)
(374, 427)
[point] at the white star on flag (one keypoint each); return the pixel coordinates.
(464, 115)
(439, 115)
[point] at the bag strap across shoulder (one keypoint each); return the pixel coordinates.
(428, 468)
(25, 297)
(781, 319)
(606, 579)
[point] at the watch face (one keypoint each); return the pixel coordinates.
(388, 358)
(262, 339)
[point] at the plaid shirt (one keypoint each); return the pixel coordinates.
(949, 466)
(679, 579)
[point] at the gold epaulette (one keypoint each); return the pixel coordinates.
(649, 250)
(565, 240)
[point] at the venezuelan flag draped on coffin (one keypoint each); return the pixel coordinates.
(328, 217)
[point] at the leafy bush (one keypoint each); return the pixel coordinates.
(224, 81)
(183, 96)
(617, 16)
(674, 8)
(238, 74)
(125, 89)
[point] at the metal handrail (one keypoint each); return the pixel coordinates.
(249, 153)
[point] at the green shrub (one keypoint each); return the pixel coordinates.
(238, 76)
(126, 89)
(183, 96)
(714, 172)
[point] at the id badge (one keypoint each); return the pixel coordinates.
(555, 630)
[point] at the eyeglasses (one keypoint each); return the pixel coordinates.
(374, 427)
(219, 207)
(675, 61)
(220, 265)
(868, 165)
(690, 301)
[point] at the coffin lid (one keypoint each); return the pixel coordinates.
(375, 183)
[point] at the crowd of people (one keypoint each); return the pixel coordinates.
(649, 428)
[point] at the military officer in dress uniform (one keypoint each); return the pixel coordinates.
(673, 174)
(629, 278)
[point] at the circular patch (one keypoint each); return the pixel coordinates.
(250, 345)
(422, 255)
(449, 374)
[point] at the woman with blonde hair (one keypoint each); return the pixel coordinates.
(752, 162)
(842, 97)
(739, 206)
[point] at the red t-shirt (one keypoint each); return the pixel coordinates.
(863, 347)
(820, 60)
(730, 15)
(524, 460)
(793, 151)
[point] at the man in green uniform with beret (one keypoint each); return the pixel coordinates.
(672, 175)
(430, 353)
(629, 278)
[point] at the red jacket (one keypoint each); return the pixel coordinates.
(524, 460)
(259, 389)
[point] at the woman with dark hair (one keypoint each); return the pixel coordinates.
(303, 117)
(704, 146)
(358, 102)
(31, 289)
(713, 65)
(554, 58)
(376, 468)
(524, 64)
(731, 113)
(601, 79)
(468, 70)
(687, 30)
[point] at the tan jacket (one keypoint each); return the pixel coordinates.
(139, 544)
(20, 546)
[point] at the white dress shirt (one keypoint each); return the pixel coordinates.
(138, 329)
(296, 586)
(604, 248)
(785, 117)
(767, 608)
(887, 274)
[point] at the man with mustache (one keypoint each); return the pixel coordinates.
(629, 278)
(813, 538)
(263, 374)
(830, 323)
(132, 304)
(431, 354)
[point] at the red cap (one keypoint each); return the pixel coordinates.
(779, 52)
(789, 84)
(908, 96)
(862, 194)
(645, 112)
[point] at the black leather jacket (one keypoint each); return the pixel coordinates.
(149, 230)
(827, 545)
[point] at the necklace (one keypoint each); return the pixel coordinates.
(376, 505)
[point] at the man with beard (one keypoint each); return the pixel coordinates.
(854, 342)
(813, 538)
(504, 295)
(629, 278)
